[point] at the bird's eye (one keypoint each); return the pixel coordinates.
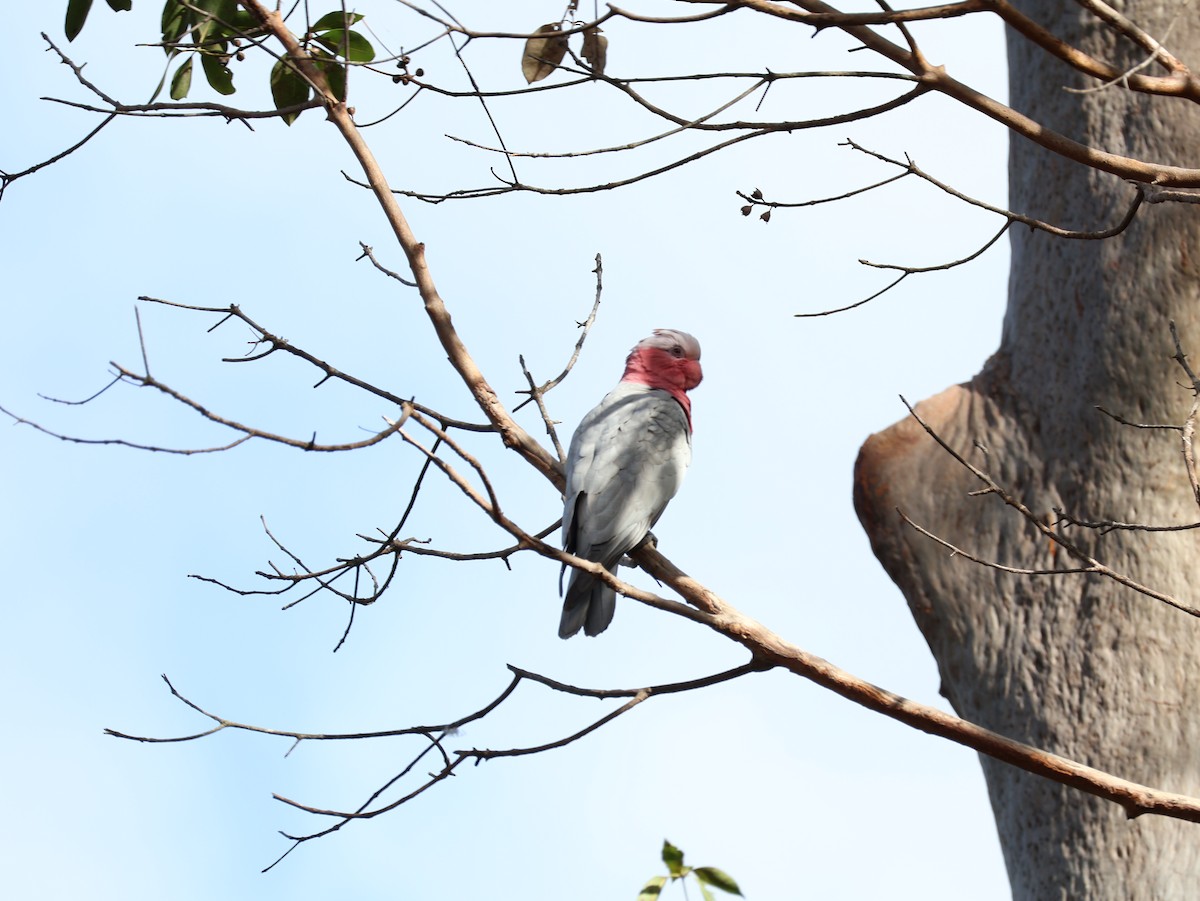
(677, 351)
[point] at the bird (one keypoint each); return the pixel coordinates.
(626, 460)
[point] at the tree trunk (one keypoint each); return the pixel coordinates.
(1074, 664)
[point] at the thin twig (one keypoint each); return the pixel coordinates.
(537, 393)
(1091, 564)
(369, 253)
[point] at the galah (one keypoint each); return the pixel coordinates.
(626, 462)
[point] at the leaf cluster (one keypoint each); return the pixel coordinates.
(676, 870)
(217, 30)
(331, 43)
(208, 27)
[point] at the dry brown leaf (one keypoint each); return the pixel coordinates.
(543, 52)
(595, 49)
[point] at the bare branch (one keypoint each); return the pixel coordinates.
(121, 442)
(412, 546)
(1157, 195)
(1189, 424)
(509, 187)
(223, 723)
(1091, 564)
(956, 551)
(1117, 20)
(699, 123)
(1104, 526)
(487, 112)
(369, 253)
(938, 79)
(910, 168)
(148, 381)
(538, 393)
(435, 735)
(668, 20)
(857, 303)
(7, 178)
(1137, 425)
(275, 343)
(183, 110)
(116, 380)
(916, 270)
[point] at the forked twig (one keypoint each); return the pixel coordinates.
(1090, 564)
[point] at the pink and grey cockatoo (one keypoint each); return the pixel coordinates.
(626, 462)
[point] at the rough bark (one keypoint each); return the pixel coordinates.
(1075, 664)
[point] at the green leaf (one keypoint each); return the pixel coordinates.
(335, 73)
(673, 858)
(218, 74)
(176, 20)
(219, 9)
(336, 20)
(120, 6)
(652, 889)
(288, 88)
(347, 44)
(717, 879)
(707, 895)
(77, 13)
(245, 24)
(209, 26)
(181, 82)
(171, 11)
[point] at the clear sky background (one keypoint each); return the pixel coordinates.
(793, 790)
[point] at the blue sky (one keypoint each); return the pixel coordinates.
(792, 790)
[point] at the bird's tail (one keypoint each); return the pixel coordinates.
(589, 605)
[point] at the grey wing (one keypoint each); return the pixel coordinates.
(627, 461)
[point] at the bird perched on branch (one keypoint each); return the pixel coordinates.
(626, 462)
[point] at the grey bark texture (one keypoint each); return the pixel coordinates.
(1074, 664)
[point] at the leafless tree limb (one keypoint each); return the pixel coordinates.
(1187, 451)
(1156, 195)
(1124, 26)
(121, 442)
(181, 109)
(756, 199)
(537, 393)
(1090, 563)
(115, 380)
(148, 381)
(702, 604)
(938, 79)
(1137, 425)
(7, 178)
(1189, 424)
(956, 551)
(510, 187)
(274, 343)
(1104, 526)
(940, 267)
(369, 253)
(436, 734)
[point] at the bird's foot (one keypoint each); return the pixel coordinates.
(651, 540)
(648, 541)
